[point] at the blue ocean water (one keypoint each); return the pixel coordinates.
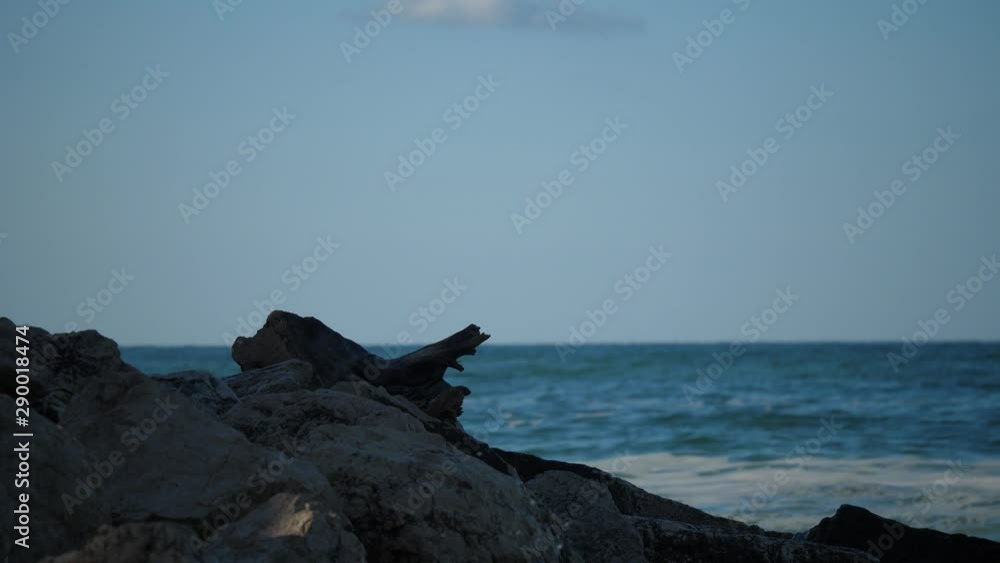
(780, 437)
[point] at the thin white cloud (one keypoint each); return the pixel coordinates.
(513, 13)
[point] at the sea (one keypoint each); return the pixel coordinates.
(779, 435)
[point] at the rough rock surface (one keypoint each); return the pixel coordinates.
(159, 542)
(287, 418)
(57, 461)
(178, 462)
(208, 392)
(289, 528)
(290, 375)
(413, 497)
(588, 524)
(61, 364)
(894, 542)
(630, 500)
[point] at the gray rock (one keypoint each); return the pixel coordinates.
(154, 542)
(179, 463)
(413, 497)
(282, 418)
(285, 528)
(289, 528)
(58, 465)
(61, 365)
(630, 500)
(207, 392)
(589, 524)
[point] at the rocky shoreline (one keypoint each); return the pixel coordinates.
(321, 451)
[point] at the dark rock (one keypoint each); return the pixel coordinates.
(59, 466)
(61, 365)
(894, 542)
(417, 376)
(589, 525)
(176, 462)
(206, 391)
(666, 541)
(629, 499)
(286, 336)
(290, 375)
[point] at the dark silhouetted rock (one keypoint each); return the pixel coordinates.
(894, 542)
(666, 541)
(417, 376)
(61, 364)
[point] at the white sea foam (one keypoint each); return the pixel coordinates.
(893, 487)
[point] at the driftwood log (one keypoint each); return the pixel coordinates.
(417, 376)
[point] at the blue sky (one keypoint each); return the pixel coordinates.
(207, 83)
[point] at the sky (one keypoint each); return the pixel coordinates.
(300, 122)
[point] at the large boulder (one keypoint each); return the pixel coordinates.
(413, 497)
(410, 495)
(893, 542)
(288, 418)
(175, 462)
(61, 364)
(58, 464)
